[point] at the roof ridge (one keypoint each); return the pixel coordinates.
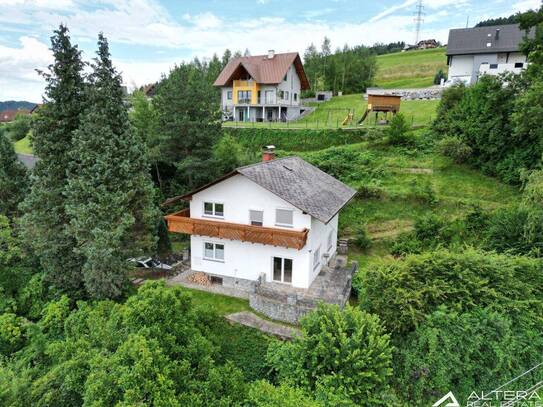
(266, 162)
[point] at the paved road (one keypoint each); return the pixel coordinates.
(28, 160)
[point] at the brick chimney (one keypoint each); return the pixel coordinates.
(269, 153)
(271, 53)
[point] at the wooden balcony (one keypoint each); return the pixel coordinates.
(181, 222)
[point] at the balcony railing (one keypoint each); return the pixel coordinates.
(181, 222)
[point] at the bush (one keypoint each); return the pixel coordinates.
(422, 191)
(296, 140)
(438, 76)
(404, 292)
(399, 131)
(19, 128)
(263, 394)
(340, 355)
(454, 148)
(362, 239)
(461, 352)
(12, 333)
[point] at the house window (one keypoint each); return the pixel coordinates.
(214, 251)
(229, 95)
(519, 65)
(330, 240)
(281, 94)
(295, 96)
(316, 258)
(256, 217)
(286, 95)
(493, 66)
(283, 217)
(282, 270)
(214, 209)
(244, 96)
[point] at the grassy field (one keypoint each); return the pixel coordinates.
(412, 69)
(332, 113)
(23, 146)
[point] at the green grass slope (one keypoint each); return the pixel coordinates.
(23, 146)
(411, 69)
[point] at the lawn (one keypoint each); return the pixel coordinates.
(23, 146)
(332, 113)
(223, 304)
(411, 69)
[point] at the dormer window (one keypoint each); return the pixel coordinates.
(214, 209)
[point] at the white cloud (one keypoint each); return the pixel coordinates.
(526, 5)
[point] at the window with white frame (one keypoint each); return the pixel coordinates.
(316, 258)
(330, 240)
(286, 95)
(256, 217)
(229, 95)
(213, 251)
(282, 270)
(214, 209)
(284, 217)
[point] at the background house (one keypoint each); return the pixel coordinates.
(263, 87)
(492, 50)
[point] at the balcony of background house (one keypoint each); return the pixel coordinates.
(181, 222)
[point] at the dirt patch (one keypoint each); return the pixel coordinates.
(389, 229)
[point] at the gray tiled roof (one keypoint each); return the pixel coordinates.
(476, 40)
(302, 185)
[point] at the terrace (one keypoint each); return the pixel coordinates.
(181, 222)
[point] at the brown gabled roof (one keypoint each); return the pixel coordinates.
(264, 70)
(9, 115)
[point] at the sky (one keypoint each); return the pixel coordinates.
(148, 37)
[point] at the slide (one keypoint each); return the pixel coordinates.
(348, 119)
(364, 116)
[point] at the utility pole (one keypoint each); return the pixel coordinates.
(419, 14)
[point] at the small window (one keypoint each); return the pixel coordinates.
(286, 95)
(493, 66)
(256, 217)
(213, 209)
(519, 64)
(229, 95)
(316, 258)
(283, 217)
(214, 251)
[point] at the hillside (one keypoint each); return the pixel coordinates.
(16, 105)
(412, 69)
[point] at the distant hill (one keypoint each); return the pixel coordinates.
(16, 105)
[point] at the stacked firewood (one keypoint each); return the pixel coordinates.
(199, 278)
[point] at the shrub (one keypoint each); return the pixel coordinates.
(454, 148)
(404, 292)
(399, 131)
(342, 353)
(19, 128)
(12, 333)
(460, 352)
(422, 190)
(263, 394)
(362, 239)
(438, 76)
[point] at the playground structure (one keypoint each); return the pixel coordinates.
(380, 101)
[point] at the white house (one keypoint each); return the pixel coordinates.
(274, 221)
(263, 87)
(492, 50)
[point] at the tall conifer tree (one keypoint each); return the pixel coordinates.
(45, 220)
(109, 192)
(13, 179)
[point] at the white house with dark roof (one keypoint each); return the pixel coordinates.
(275, 221)
(263, 87)
(491, 50)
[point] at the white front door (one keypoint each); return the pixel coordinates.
(282, 270)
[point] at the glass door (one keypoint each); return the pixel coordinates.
(282, 270)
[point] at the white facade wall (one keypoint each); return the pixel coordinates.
(461, 67)
(248, 260)
(226, 103)
(468, 68)
(292, 85)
